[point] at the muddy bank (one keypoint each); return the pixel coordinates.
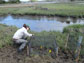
(8, 54)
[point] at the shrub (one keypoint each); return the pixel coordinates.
(74, 32)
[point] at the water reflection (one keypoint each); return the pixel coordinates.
(39, 23)
(2, 17)
(27, 17)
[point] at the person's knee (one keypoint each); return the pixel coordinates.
(26, 41)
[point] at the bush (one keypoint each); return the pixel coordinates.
(74, 32)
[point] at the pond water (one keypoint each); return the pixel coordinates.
(40, 23)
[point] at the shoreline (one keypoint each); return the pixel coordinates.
(46, 15)
(62, 16)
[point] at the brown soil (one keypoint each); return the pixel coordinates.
(8, 54)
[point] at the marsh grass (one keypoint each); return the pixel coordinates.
(47, 39)
(6, 34)
(69, 9)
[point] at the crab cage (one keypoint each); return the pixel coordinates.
(72, 40)
(43, 45)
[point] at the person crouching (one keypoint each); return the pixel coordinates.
(20, 35)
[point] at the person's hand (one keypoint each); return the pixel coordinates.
(32, 34)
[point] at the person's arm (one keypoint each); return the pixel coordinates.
(28, 34)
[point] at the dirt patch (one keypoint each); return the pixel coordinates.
(8, 54)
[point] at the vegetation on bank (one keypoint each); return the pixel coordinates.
(74, 32)
(47, 39)
(68, 9)
(6, 33)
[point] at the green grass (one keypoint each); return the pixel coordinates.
(69, 9)
(6, 34)
(47, 39)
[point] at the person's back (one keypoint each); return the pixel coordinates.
(19, 33)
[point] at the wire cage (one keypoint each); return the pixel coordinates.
(72, 38)
(44, 45)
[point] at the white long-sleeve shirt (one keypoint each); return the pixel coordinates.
(20, 33)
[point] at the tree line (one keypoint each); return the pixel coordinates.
(14, 1)
(10, 1)
(18, 1)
